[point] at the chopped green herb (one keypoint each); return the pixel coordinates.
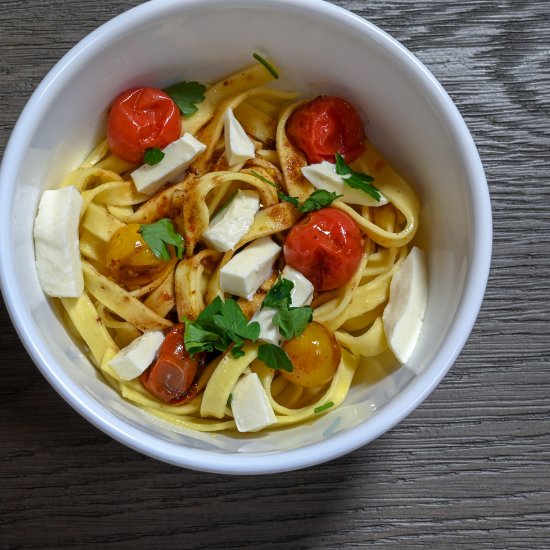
(292, 321)
(153, 156)
(317, 200)
(279, 294)
(266, 64)
(287, 198)
(274, 357)
(186, 95)
(219, 213)
(357, 180)
(229, 399)
(157, 235)
(218, 326)
(198, 339)
(233, 323)
(324, 407)
(265, 180)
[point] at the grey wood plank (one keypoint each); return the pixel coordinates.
(468, 469)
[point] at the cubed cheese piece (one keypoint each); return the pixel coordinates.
(131, 361)
(56, 243)
(250, 404)
(269, 332)
(238, 146)
(232, 223)
(248, 269)
(302, 293)
(404, 314)
(177, 158)
(324, 176)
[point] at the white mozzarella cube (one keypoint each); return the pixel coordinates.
(232, 223)
(178, 155)
(250, 404)
(131, 361)
(404, 314)
(302, 293)
(269, 332)
(56, 243)
(238, 146)
(249, 268)
(324, 176)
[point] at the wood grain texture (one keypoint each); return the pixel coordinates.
(470, 468)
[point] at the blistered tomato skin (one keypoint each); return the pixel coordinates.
(326, 247)
(141, 119)
(326, 126)
(315, 356)
(130, 260)
(171, 378)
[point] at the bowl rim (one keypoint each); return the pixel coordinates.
(257, 463)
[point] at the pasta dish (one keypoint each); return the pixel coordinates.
(229, 254)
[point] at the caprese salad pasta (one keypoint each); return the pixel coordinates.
(229, 255)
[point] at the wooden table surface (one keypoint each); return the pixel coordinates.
(470, 468)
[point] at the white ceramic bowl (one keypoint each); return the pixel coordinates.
(319, 48)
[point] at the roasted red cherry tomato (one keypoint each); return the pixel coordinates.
(326, 126)
(171, 378)
(326, 247)
(140, 119)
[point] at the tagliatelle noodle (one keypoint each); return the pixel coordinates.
(108, 317)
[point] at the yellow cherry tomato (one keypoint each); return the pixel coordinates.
(315, 356)
(130, 260)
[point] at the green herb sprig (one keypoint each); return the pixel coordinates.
(265, 180)
(320, 198)
(220, 325)
(186, 95)
(291, 321)
(324, 407)
(317, 200)
(157, 235)
(153, 156)
(357, 180)
(266, 64)
(274, 357)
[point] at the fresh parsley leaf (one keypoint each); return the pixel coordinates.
(233, 320)
(186, 95)
(324, 407)
(317, 200)
(206, 316)
(153, 156)
(287, 198)
(197, 339)
(279, 294)
(274, 357)
(220, 325)
(357, 180)
(265, 180)
(157, 235)
(237, 350)
(266, 64)
(293, 321)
